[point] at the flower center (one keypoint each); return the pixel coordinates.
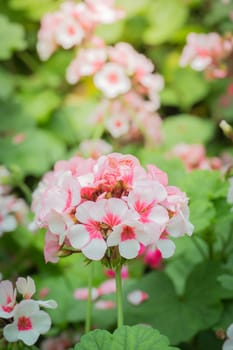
(24, 323)
(113, 78)
(127, 233)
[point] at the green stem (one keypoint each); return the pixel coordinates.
(89, 300)
(26, 191)
(120, 316)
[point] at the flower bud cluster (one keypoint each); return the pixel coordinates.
(125, 78)
(109, 209)
(206, 52)
(23, 320)
(13, 210)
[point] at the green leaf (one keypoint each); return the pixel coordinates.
(130, 338)
(132, 7)
(7, 84)
(202, 214)
(210, 184)
(13, 118)
(188, 129)
(34, 9)
(40, 104)
(11, 37)
(165, 18)
(186, 88)
(179, 318)
(35, 154)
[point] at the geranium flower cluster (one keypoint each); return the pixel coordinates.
(13, 210)
(74, 24)
(206, 52)
(131, 89)
(194, 157)
(23, 319)
(109, 209)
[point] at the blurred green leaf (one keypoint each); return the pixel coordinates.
(7, 84)
(40, 104)
(186, 88)
(34, 9)
(35, 154)
(186, 128)
(202, 214)
(179, 318)
(11, 38)
(133, 7)
(165, 17)
(13, 118)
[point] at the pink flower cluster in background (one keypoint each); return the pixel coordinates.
(13, 210)
(74, 24)
(109, 209)
(206, 52)
(126, 79)
(94, 148)
(23, 319)
(107, 288)
(129, 86)
(194, 157)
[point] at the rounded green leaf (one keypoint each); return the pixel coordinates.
(138, 337)
(178, 317)
(11, 37)
(165, 17)
(185, 128)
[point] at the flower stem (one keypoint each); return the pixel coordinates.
(120, 316)
(26, 191)
(89, 300)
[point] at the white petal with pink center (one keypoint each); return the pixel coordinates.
(128, 239)
(29, 323)
(87, 235)
(7, 299)
(136, 297)
(112, 80)
(117, 125)
(26, 287)
(69, 33)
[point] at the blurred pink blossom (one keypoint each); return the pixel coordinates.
(206, 52)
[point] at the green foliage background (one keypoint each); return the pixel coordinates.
(192, 296)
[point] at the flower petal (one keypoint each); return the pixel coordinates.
(95, 250)
(129, 248)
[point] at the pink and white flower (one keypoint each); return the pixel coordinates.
(205, 52)
(136, 297)
(7, 299)
(26, 287)
(116, 206)
(29, 322)
(112, 80)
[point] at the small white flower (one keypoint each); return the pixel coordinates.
(112, 80)
(26, 287)
(29, 323)
(137, 297)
